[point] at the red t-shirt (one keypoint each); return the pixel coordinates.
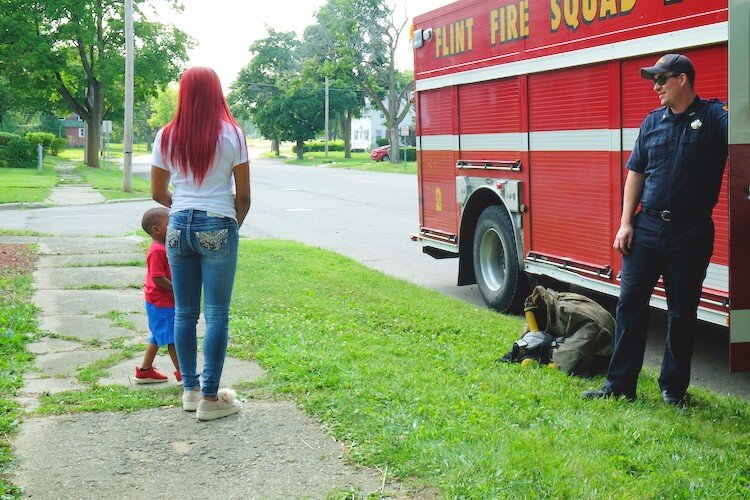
(157, 266)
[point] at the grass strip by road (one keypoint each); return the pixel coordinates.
(27, 185)
(409, 378)
(17, 325)
(115, 151)
(358, 161)
(23, 232)
(109, 181)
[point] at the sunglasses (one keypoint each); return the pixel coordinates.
(662, 79)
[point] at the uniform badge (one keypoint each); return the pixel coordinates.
(726, 107)
(696, 124)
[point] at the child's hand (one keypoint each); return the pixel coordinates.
(163, 283)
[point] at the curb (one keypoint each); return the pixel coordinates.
(20, 206)
(128, 200)
(25, 206)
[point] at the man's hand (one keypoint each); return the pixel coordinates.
(624, 239)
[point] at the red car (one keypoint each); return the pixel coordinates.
(382, 153)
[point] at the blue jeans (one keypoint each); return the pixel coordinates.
(202, 251)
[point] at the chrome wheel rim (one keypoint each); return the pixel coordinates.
(492, 260)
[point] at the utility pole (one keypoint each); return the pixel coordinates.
(127, 138)
(326, 139)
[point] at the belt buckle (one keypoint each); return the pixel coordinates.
(666, 215)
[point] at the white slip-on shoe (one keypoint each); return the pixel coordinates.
(190, 400)
(226, 405)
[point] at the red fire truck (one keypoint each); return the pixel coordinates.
(527, 111)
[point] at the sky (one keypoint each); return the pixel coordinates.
(224, 29)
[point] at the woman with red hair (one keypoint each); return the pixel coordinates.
(202, 151)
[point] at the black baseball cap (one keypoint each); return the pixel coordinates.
(670, 62)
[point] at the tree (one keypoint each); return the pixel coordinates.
(366, 34)
(70, 54)
(274, 92)
(296, 112)
(325, 59)
(163, 107)
(262, 79)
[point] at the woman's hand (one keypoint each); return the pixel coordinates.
(242, 196)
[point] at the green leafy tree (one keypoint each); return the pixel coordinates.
(5, 98)
(324, 58)
(365, 34)
(163, 107)
(297, 113)
(142, 130)
(263, 79)
(69, 54)
(273, 91)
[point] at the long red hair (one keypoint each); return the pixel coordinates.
(194, 131)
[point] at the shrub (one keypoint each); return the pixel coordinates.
(46, 139)
(20, 153)
(382, 141)
(58, 145)
(315, 146)
(411, 153)
(6, 137)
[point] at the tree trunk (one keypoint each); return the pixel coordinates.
(94, 125)
(392, 117)
(275, 147)
(93, 143)
(346, 131)
(395, 150)
(300, 149)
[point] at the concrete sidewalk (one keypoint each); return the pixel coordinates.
(91, 310)
(72, 189)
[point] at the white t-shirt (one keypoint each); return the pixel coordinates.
(216, 193)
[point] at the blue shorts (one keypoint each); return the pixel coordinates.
(161, 324)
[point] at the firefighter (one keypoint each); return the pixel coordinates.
(675, 172)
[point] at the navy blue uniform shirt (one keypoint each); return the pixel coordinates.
(683, 157)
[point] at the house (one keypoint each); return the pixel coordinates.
(370, 127)
(74, 128)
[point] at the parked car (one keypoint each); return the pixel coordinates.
(382, 153)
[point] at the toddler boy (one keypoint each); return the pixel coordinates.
(159, 299)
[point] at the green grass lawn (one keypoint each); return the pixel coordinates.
(73, 154)
(358, 161)
(409, 378)
(115, 151)
(108, 180)
(27, 185)
(17, 323)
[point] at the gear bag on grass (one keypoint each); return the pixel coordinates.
(577, 333)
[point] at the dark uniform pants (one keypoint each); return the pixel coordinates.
(679, 251)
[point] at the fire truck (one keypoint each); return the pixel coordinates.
(527, 111)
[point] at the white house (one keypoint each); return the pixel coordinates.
(371, 126)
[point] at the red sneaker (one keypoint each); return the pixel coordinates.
(149, 376)
(178, 376)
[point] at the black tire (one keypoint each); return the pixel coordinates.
(499, 276)
(386, 158)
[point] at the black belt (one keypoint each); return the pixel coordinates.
(669, 215)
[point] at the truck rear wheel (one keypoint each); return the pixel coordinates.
(496, 267)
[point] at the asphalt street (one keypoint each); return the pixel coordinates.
(367, 216)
